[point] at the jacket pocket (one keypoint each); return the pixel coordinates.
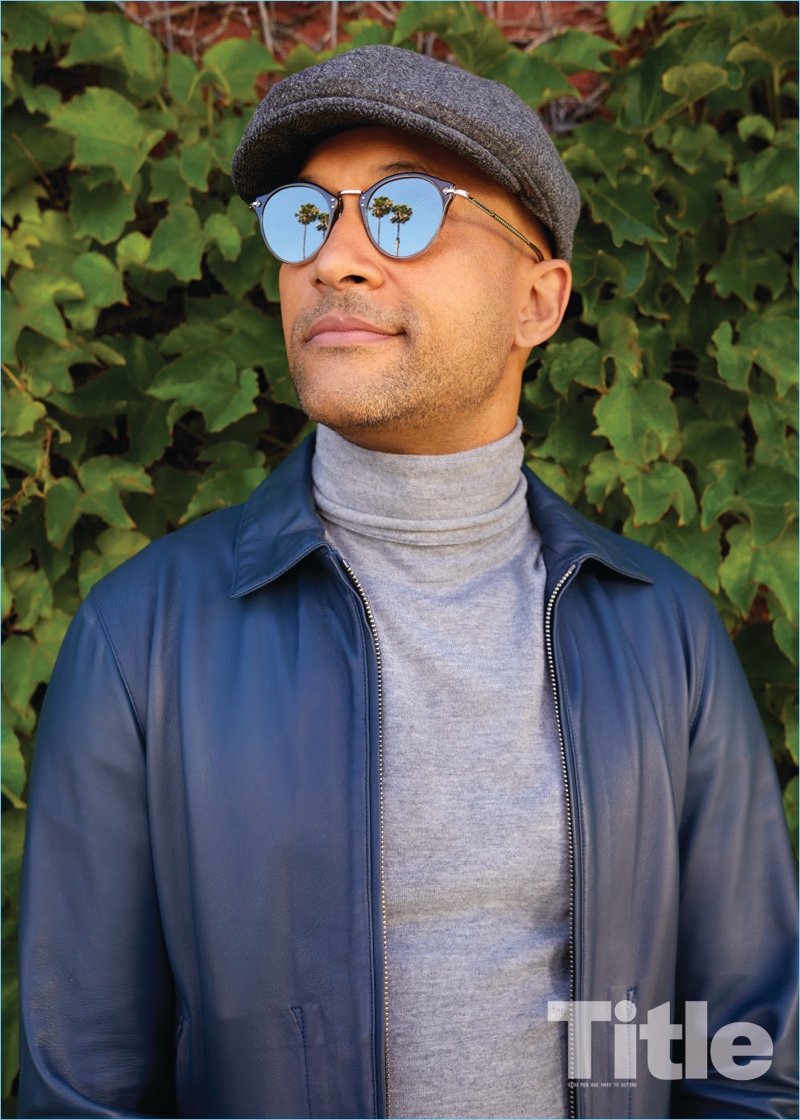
(182, 1085)
(309, 1024)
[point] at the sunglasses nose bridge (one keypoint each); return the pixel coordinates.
(337, 201)
(340, 199)
(361, 195)
(337, 211)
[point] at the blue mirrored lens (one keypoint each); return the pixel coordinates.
(404, 215)
(294, 222)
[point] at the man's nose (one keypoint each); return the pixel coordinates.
(348, 256)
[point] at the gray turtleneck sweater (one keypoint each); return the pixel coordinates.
(476, 868)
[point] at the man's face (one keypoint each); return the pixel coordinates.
(421, 355)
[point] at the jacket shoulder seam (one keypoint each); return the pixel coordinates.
(702, 651)
(90, 599)
(698, 688)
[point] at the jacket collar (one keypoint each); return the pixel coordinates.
(568, 538)
(280, 526)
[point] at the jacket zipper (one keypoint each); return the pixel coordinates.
(381, 846)
(548, 638)
(548, 635)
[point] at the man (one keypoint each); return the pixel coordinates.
(342, 796)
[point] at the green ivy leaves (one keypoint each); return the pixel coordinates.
(111, 40)
(108, 132)
(209, 381)
(236, 65)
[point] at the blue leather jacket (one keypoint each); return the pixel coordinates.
(200, 921)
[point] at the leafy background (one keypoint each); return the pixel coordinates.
(144, 375)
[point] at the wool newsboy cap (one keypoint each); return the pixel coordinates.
(478, 119)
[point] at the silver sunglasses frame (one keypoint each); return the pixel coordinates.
(447, 190)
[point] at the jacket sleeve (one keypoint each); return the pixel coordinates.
(738, 912)
(96, 993)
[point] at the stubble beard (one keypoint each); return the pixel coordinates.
(417, 387)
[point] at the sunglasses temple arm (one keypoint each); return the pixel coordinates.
(503, 222)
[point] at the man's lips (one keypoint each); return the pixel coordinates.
(347, 330)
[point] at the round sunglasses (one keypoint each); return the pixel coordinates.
(402, 215)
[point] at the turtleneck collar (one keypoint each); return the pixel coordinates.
(445, 502)
(418, 487)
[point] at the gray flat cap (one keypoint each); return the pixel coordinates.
(480, 120)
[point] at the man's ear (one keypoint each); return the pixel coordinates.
(548, 295)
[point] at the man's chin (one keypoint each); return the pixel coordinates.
(352, 402)
(347, 415)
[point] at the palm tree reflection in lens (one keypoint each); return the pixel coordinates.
(307, 214)
(380, 207)
(400, 214)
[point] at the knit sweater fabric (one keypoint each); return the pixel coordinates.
(476, 875)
